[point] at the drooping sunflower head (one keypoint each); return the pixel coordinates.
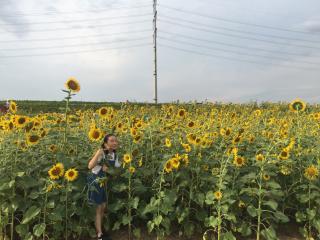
(168, 166)
(297, 105)
(175, 162)
(71, 175)
(13, 107)
(72, 84)
(311, 173)
(95, 134)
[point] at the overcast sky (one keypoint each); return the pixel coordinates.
(219, 50)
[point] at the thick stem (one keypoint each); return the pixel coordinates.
(66, 237)
(44, 215)
(259, 204)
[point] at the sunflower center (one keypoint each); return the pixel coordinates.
(33, 138)
(72, 85)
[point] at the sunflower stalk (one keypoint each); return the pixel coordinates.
(66, 116)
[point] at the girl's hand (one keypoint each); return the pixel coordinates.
(104, 168)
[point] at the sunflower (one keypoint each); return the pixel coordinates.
(140, 162)
(218, 195)
(181, 113)
(285, 170)
(241, 204)
(71, 175)
(53, 148)
(297, 105)
(187, 147)
(228, 132)
(13, 107)
(260, 157)
(21, 121)
(191, 124)
(95, 134)
(168, 166)
(72, 85)
(103, 112)
(137, 138)
(133, 132)
(266, 177)
(32, 139)
(239, 161)
(284, 155)
(236, 139)
(311, 173)
(132, 170)
(127, 158)
(168, 142)
(175, 162)
(56, 171)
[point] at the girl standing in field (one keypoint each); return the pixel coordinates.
(98, 165)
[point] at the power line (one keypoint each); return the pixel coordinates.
(235, 59)
(76, 52)
(232, 45)
(233, 21)
(72, 45)
(73, 12)
(74, 37)
(77, 27)
(235, 52)
(77, 20)
(236, 36)
(240, 31)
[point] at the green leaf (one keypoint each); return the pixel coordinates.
(252, 211)
(269, 233)
(157, 220)
(272, 204)
(38, 229)
(228, 236)
(150, 226)
(31, 213)
(137, 233)
(22, 229)
(300, 217)
(50, 204)
(273, 184)
(210, 198)
(311, 213)
(281, 216)
(212, 221)
(120, 187)
(245, 229)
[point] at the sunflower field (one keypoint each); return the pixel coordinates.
(219, 171)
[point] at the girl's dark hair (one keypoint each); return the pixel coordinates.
(106, 138)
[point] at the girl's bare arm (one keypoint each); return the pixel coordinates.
(93, 162)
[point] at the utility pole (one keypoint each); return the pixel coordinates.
(155, 74)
